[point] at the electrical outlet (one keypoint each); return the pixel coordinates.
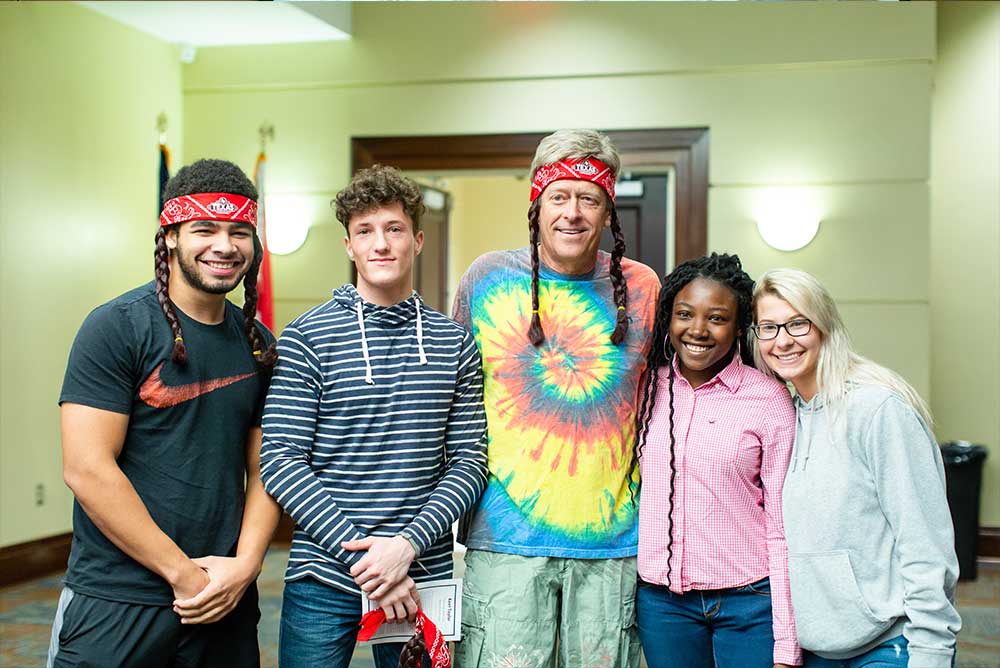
(40, 494)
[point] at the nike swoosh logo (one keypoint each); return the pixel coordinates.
(154, 393)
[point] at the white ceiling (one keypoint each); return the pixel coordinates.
(233, 23)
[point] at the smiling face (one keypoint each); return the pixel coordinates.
(571, 218)
(793, 358)
(382, 244)
(703, 329)
(213, 256)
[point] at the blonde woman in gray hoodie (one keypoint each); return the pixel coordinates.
(871, 549)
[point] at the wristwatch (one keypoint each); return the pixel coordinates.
(413, 544)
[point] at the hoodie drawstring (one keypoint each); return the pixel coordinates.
(364, 337)
(364, 345)
(802, 449)
(420, 331)
(810, 419)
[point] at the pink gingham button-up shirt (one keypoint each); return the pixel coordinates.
(733, 440)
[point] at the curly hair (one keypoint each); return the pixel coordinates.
(724, 269)
(379, 186)
(210, 176)
(574, 144)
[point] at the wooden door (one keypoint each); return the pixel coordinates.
(430, 271)
(683, 151)
(643, 219)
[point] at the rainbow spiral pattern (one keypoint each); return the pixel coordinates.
(561, 416)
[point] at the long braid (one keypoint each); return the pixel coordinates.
(161, 269)
(210, 176)
(413, 652)
(650, 382)
(673, 472)
(267, 357)
(535, 332)
(655, 359)
(618, 280)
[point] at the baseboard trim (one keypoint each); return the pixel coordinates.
(988, 544)
(34, 559)
(283, 534)
(45, 556)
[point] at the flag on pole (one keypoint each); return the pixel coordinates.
(164, 176)
(265, 294)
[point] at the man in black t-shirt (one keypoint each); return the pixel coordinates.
(161, 408)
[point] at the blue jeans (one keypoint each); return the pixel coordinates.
(890, 654)
(725, 628)
(319, 627)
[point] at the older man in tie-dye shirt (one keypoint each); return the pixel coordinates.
(563, 329)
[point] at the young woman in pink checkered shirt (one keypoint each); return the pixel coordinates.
(714, 440)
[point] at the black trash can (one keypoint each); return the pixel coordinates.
(963, 469)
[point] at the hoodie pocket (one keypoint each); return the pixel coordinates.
(831, 614)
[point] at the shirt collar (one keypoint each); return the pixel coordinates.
(730, 377)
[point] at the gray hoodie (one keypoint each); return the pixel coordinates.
(870, 540)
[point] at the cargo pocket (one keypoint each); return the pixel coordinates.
(831, 614)
(628, 644)
(469, 650)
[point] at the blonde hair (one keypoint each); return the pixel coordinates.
(575, 144)
(839, 366)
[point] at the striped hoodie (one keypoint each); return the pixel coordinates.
(373, 425)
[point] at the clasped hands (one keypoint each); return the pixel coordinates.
(382, 575)
(206, 589)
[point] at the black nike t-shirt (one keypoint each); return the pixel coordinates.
(185, 449)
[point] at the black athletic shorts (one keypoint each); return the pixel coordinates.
(93, 632)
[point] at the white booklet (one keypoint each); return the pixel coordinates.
(441, 600)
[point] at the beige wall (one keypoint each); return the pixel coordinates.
(965, 234)
(832, 96)
(489, 212)
(78, 164)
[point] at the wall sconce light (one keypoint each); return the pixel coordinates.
(787, 218)
(287, 221)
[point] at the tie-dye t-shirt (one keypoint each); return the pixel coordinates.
(560, 417)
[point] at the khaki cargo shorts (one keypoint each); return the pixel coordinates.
(540, 612)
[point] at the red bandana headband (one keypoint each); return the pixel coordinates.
(437, 648)
(584, 169)
(209, 206)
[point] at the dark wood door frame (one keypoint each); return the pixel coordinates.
(684, 149)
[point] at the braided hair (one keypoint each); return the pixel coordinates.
(724, 269)
(535, 332)
(576, 144)
(207, 176)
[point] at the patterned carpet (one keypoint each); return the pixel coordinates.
(26, 613)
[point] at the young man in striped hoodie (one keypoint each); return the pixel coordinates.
(374, 434)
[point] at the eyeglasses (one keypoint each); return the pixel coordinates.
(767, 331)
